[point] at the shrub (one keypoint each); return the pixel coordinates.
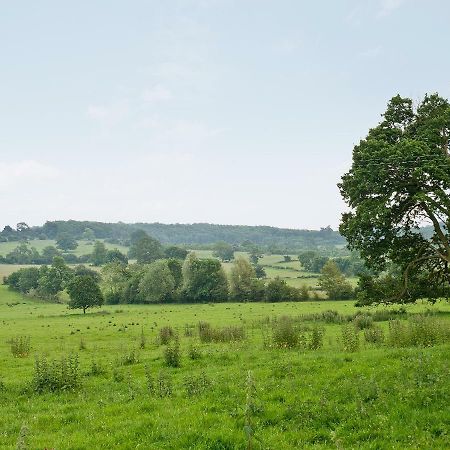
(284, 334)
(172, 354)
(194, 352)
(20, 346)
(163, 385)
(129, 358)
(196, 385)
(227, 334)
(362, 321)
(419, 331)
(166, 334)
(96, 368)
(316, 341)
(56, 375)
(374, 335)
(350, 338)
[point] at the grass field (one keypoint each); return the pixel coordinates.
(376, 397)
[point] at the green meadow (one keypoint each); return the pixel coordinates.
(253, 390)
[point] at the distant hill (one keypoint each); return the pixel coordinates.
(197, 234)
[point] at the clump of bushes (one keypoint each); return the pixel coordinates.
(227, 334)
(57, 375)
(20, 346)
(419, 331)
(194, 352)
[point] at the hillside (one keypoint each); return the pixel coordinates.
(189, 234)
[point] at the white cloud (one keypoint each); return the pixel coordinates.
(25, 173)
(389, 6)
(288, 44)
(107, 114)
(371, 52)
(157, 93)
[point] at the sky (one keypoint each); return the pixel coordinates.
(182, 111)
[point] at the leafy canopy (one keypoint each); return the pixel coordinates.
(400, 181)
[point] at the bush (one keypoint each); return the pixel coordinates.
(226, 334)
(194, 352)
(420, 331)
(284, 334)
(316, 341)
(172, 354)
(362, 321)
(350, 338)
(56, 375)
(166, 334)
(196, 385)
(129, 358)
(374, 335)
(20, 346)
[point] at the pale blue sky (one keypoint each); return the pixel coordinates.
(222, 111)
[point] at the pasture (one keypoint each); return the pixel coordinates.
(250, 391)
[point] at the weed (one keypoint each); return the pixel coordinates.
(82, 345)
(172, 354)
(57, 375)
(166, 334)
(142, 339)
(284, 334)
(350, 338)
(316, 341)
(20, 346)
(194, 352)
(196, 385)
(374, 335)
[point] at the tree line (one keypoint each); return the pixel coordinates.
(275, 240)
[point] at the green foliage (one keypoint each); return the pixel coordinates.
(374, 335)
(175, 252)
(166, 334)
(145, 250)
(56, 375)
(66, 242)
(208, 334)
(98, 255)
(204, 280)
(223, 251)
(334, 283)
(20, 346)
(277, 290)
(157, 284)
(350, 338)
(84, 293)
(172, 354)
(399, 179)
(244, 286)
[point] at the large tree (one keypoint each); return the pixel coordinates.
(400, 181)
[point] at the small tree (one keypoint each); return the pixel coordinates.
(243, 283)
(223, 251)
(99, 252)
(146, 250)
(84, 293)
(66, 242)
(157, 284)
(334, 283)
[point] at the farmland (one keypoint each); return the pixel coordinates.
(230, 393)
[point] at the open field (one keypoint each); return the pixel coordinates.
(374, 397)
